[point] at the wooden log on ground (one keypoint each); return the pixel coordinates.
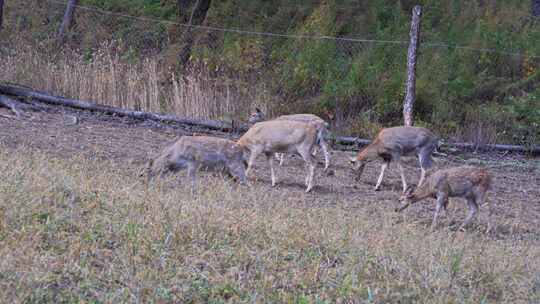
(535, 149)
(349, 140)
(92, 106)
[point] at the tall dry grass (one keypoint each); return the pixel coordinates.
(79, 230)
(142, 84)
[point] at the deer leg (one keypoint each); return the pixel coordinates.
(311, 176)
(311, 163)
(270, 159)
(252, 158)
(445, 207)
(402, 174)
(379, 181)
(422, 176)
(473, 210)
(324, 148)
(192, 174)
(281, 157)
(441, 201)
(481, 199)
(426, 162)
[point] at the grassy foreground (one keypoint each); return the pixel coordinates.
(79, 230)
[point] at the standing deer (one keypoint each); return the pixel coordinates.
(193, 152)
(270, 137)
(392, 143)
(318, 123)
(468, 182)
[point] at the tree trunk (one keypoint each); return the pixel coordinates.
(535, 8)
(197, 17)
(410, 96)
(183, 7)
(1, 13)
(67, 20)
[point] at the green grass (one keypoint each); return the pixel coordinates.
(74, 230)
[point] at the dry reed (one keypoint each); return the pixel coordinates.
(144, 85)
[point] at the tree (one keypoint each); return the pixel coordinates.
(1, 12)
(410, 96)
(67, 20)
(183, 8)
(197, 17)
(535, 8)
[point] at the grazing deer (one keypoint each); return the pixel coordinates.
(319, 123)
(193, 152)
(468, 182)
(392, 143)
(270, 137)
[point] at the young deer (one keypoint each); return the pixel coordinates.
(392, 143)
(318, 123)
(270, 137)
(468, 182)
(193, 152)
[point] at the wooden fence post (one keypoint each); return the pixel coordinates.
(410, 96)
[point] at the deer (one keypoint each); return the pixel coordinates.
(319, 123)
(270, 137)
(194, 152)
(392, 143)
(467, 182)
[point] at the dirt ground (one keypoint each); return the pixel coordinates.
(515, 197)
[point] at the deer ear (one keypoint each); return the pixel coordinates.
(258, 110)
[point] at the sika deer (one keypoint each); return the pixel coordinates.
(193, 152)
(270, 137)
(468, 182)
(319, 123)
(392, 143)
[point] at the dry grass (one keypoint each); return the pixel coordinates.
(77, 229)
(146, 84)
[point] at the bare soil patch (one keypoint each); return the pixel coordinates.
(515, 196)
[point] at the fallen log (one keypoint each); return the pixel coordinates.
(220, 125)
(92, 106)
(349, 140)
(535, 149)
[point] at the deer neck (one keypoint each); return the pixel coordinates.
(368, 154)
(422, 192)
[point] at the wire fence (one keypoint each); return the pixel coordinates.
(356, 84)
